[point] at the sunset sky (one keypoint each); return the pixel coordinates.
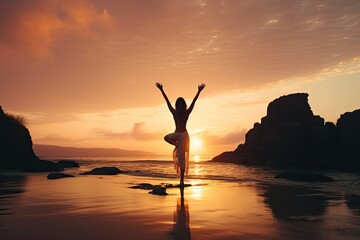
(83, 72)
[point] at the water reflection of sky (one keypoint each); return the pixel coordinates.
(209, 210)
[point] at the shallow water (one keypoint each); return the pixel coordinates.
(226, 201)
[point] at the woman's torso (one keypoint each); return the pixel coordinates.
(180, 122)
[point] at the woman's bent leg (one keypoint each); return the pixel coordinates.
(171, 139)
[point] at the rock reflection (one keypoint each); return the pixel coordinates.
(296, 203)
(181, 225)
(353, 203)
(10, 186)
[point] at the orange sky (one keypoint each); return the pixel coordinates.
(83, 72)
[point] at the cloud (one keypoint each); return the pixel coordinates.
(32, 28)
(137, 133)
(55, 118)
(56, 138)
(232, 138)
(105, 55)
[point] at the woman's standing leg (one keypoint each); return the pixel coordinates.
(182, 172)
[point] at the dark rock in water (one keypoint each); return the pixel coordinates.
(16, 150)
(159, 190)
(42, 166)
(146, 186)
(304, 177)
(68, 163)
(58, 175)
(291, 135)
(169, 185)
(103, 171)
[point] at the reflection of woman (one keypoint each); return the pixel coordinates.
(180, 138)
(181, 228)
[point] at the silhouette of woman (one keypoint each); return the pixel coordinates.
(180, 138)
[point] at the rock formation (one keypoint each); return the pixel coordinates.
(104, 171)
(16, 146)
(68, 164)
(290, 134)
(58, 175)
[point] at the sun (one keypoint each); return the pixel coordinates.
(196, 143)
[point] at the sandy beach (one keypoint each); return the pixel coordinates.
(104, 207)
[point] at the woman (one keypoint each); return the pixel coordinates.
(180, 138)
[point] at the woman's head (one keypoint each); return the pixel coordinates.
(180, 105)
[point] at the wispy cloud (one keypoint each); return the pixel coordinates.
(57, 138)
(234, 137)
(138, 132)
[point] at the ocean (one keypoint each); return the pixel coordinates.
(201, 167)
(225, 201)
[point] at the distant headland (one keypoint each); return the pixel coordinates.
(51, 151)
(291, 135)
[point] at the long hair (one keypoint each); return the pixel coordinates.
(180, 106)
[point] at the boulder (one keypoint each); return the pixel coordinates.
(104, 171)
(159, 190)
(68, 163)
(304, 177)
(57, 175)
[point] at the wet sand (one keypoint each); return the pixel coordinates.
(104, 207)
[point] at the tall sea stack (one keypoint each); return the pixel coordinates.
(290, 134)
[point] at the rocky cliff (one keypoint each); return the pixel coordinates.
(290, 134)
(16, 146)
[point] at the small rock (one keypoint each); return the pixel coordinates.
(103, 171)
(68, 163)
(146, 186)
(58, 175)
(304, 177)
(159, 190)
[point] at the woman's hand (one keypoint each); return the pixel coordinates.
(201, 87)
(159, 86)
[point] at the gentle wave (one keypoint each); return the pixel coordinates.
(222, 172)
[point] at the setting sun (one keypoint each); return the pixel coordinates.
(195, 144)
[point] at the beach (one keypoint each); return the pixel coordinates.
(105, 207)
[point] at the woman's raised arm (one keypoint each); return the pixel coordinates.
(200, 88)
(160, 86)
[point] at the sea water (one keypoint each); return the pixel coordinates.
(202, 168)
(233, 200)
